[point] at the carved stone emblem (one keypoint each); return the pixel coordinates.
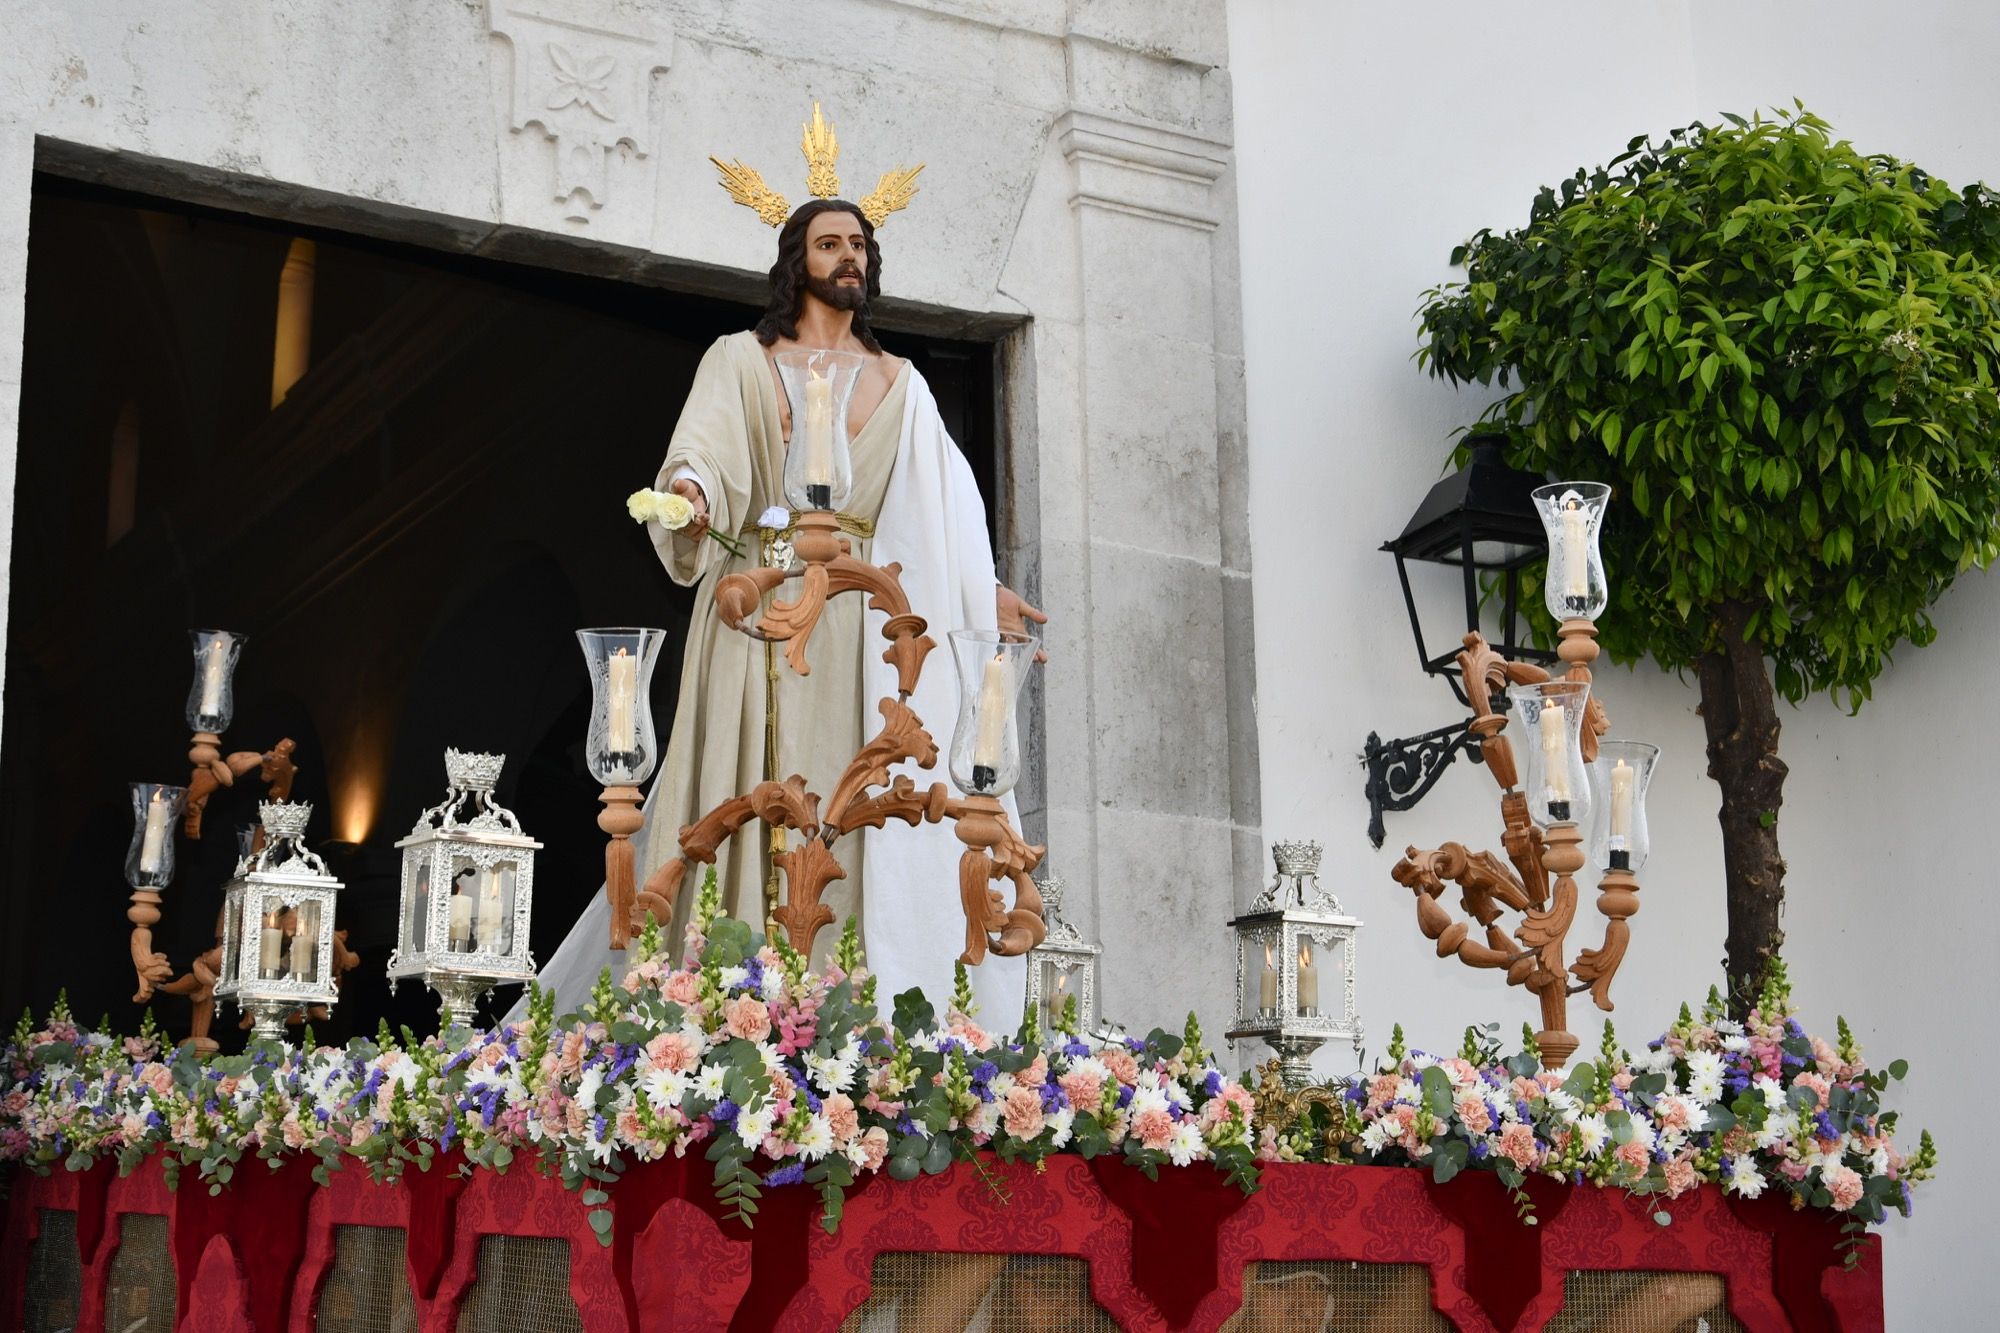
(587, 86)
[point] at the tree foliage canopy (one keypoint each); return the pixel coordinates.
(1781, 353)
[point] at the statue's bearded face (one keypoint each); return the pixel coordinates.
(837, 260)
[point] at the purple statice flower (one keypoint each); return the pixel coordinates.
(489, 1108)
(1523, 1110)
(791, 1173)
(1076, 1049)
(1479, 1150)
(369, 1086)
(597, 1125)
(321, 1114)
(450, 1133)
(154, 1120)
(1124, 1095)
(1052, 1097)
(1212, 1084)
(1903, 1187)
(1356, 1093)
(725, 1112)
(1824, 1124)
(463, 1054)
(812, 1098)
(753, 979)
(905, 1125)
(986, 1072)
(210, 1106)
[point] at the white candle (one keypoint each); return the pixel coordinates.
(623, 736)
(461, 921)
(215, 658)
(819, 429)
(1054, 1003)
(271, 943)
(487, 932)
(993, 710)
(156, 835)
(1308, 980)
(1576, 557)
(304, 956)
(1554, 752)
(1267, 989)
(1621, 801)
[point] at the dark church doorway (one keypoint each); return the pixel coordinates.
(408, 537)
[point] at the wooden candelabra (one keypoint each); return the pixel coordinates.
(1537, 877)
(865, 796)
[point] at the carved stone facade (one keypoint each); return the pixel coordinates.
(1078, 207)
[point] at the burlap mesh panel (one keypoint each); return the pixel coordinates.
(368, 1288)
(55, 1275)
(996, 1293)
(1609, 1302)
(139, 1293)
(522, 1287)
(1322, 1295)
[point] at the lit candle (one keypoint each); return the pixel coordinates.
(1267, 990)
(993, 710)
(819, 429)
(1621, 801)
(461, 921)
(215, 660)
(156, 835)
(1308, 980)
(623, 736)
(1576, 549)
(271, 945)
(1554, 753)
(1054, 1003)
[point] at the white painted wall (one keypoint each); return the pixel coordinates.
(1370, 139)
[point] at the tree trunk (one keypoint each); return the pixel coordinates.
(1739, 710)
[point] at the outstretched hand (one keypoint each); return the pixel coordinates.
(1015, 613)
(697, 527)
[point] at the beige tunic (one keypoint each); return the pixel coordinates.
(729, 433)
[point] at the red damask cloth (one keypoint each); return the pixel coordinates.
(1163, 1255)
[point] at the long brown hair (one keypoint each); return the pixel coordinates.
(788, 276)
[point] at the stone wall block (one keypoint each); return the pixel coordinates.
(1158, 672)
(1164, 902)
(1151, 409)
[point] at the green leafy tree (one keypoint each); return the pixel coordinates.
(1780, 352)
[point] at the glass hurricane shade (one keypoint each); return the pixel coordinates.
(211, 704)
(986, 744)
(156, 809)
(1573, 514)
(1618, 782)
(1549, 746)
(620, 746)
(819, 467)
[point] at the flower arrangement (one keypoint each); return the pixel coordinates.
(780, 1075)
(1748, 1106)
(672, 512)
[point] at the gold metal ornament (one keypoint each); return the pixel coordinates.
(821, 146)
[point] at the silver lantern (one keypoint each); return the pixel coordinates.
(1285, 945)
(1062, 965)
(277, 925)
(468, 887)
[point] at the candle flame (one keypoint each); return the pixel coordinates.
(1305, 954)
(1267, 955)
(1062, 981)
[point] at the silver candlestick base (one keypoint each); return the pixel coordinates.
(267, 1018)
(458, 998)
(1295, 1055)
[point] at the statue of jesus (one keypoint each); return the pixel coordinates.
(913, 501)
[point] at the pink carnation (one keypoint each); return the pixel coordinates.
(1154, 1127)
(1121, 1064)
(1382, 1089)
(1844, 1184)
(748, 1017)
(1083, 1088)
(1680, 1176)
(673, 1052)
(1816, 1085)
(1473, 1111)
(1036, 1074)
(874, 1148)
(842, 1117)
(1023, 1112)
(1517, 1145)
(1633, 1154)
(682, 988)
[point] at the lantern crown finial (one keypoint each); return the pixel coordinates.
(1298, 857)
(471, 771)
(284, 821)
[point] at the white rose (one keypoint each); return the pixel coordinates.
(671, 511)
(642, 505)
(776, 517)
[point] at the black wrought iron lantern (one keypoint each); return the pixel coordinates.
(1481, 520)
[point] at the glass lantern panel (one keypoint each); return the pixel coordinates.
(276, 923)
(303, 956)
(465, 874)
(232, 926)
(416, 904)
(493, 913)
(1262, 967)
(1055, 993)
